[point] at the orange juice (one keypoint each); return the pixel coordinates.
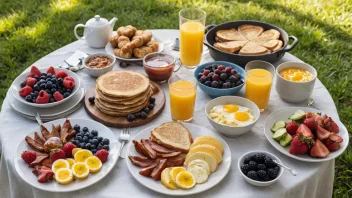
(258, 85)
(191, 42)
(182, 99)
(296, 75)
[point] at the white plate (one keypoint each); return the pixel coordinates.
(284, 114)
(16, 87)
(110, 50)
(46, 112)
(26, 173)
(157, 186)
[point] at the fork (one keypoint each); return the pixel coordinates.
(123, 138)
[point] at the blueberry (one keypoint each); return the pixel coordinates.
(43, 74)
(79, 138)
(60, 91)
(130, 117)
(49, 75)
(208, 83)
(54, 81)
(52, 91)
(95, 142)
(82, 145)
(106, 147)
(99, 146)
(214, 84)
(52, 100)
(73, 142)
(225, 86)
(94, 151)
(146, 110)
(66, 94)
(100, 139)
(59, 80)
(42, 86)
(36, 87)
(94, 133)
(47, 91)
(91, 99)
(29, 98)
(151, 106)
(90, 141)
(53, 76)
(152, 100)
(93, 147)
(76, 127)
(223, 76)
(85, 139)
(90, 136)
(50, 96)
(85, 129)
(88, 146)
(36, 77)
(233, 79)
(34, 100)
(42, 77)
(69, 90)
(106, 141)
(137, 115)
(64, 89)
(143, 114)
(49, 85)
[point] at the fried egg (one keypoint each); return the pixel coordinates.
(232, 115)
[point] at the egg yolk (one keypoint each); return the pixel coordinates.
(241, 116)
(230, 108)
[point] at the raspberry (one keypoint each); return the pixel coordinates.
(69, 82)
(25, 91)
(43, 97)
(34, 72)
(51, 70)
(58, 96)
(60, 74)
(102, 154)
(30, 81)
(221, 67)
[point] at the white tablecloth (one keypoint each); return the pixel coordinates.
(314, 179)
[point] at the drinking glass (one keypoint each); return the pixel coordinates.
(259, 78)
(182, 88)
(192, 22)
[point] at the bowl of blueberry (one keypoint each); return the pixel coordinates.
(220, 78)
(259, 169)
(45, 87)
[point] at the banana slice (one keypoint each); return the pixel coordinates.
(185, 180)
(213, 165)
(174, 171)
(199, 173)
(166, 179)
(58, 164)
(200, 163)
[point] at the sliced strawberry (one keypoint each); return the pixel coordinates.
(291, 128)
(331, 145)
(335, 138)
(43, 97)
(318, 120)
(58, 96)
(310, 123)
(60, 74)
(34, 71)
(330, 125)
(319, 150)
(51, 70)
(304, 131)
(45, 175)
(322, 133)
(297, 146)
(30, 81)
(25, 91)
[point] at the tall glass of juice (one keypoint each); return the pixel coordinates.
(192, 22)
(259, 78)
(182, 88)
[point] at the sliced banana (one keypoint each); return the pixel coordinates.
(200, 163)
(199, 173)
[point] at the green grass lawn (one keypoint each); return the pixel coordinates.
(29, 31)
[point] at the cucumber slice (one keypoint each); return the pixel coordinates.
(288, 121)
(297, 115)
(279, 134)
(278, 125)
(286, 141)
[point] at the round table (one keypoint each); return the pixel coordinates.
(313, 180)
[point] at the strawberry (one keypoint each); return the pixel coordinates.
(25, 91)
(43, 97)
(30, 81)
(304, 131)
(330, 125)
(297, 146)
(69, 83)
(56, 154)
(319, 150)
(58, 96)
(67, 148)
(102, 154)
(335, 138)
(310, 123)
(318, 120)
(291, 128)
(51, 70)
(322, 133)
(34, 71)
(28, 156)
(60, 74)
(331, 145)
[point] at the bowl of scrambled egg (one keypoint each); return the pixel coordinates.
(232, 115)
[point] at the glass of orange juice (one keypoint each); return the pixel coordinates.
(259, 78)
(192, 22)
(182, 88)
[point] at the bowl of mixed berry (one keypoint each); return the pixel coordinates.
(45, 87)
(259, 169)
(220, 78)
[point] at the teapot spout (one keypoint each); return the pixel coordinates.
(112, 22)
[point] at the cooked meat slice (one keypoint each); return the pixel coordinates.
(141, 163)
(58, 128)
(37, 168)
(169, 155)
(70, 135)
(38, 139)
(65, 131)
(160, 149)
(40, 154)
(148, 170)
(139, 148)
(141, 158)
(156, 173)
(44, 173)
(33, 144)
(148, 148)
(38, 160)
(175, 162)
(47, 163)
(55, 132)
(46, 134)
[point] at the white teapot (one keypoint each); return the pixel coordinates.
(97, 31)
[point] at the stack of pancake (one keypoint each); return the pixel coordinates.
(120, 93)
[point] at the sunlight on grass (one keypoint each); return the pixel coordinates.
(36, 31)
(64, 5)
(10, 20)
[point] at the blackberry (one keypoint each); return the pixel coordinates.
(259, 158)
(267, 178)
(261, 167)
(245, 169)
(247, 160)
(253, 165)
(261, 174)
(252, 175)
(269, 162)
(273, 172)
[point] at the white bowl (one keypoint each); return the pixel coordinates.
(232, 131)
(294, 92)
(254, 182)
(16, 87)
(96, 72)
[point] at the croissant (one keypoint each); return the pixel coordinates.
(137, 41)
(113, 41)
(126, 31)
(150, 47)
(138, 33)
(118, 52)
(122, 41)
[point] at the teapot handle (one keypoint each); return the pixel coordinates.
(75, 31)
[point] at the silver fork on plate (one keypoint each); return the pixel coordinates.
(123, 139)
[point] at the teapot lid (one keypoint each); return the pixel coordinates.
(97, 21)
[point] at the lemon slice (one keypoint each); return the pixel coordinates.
(94, 164)
(64, 176)
(71, 162)
(199, 173)
(80, 170)
(174, 171)
(166, 179)
(58, 164)
(185, 179)
(74, 151)
(82, 155)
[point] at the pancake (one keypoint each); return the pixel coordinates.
(231, 46)
(121, 105)
(121, 100)
(122, 109)
(271, 34)
(279, 46)
(113, 112)
(122, 84)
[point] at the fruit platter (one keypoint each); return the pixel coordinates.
(45, 87)
(66, 155)
(307, 134)
(194, 162)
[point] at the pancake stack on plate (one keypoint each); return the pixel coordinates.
(119, 93)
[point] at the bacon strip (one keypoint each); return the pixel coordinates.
(147, 171)
(156, 174)
(148, 148)
(38, 160)
(54, 131)
(169, 155)
(47, 163)
(175, 162)
(158, 148)
(141, 163)
(139, 148)
(38, 139)
(67, 132)
(33, 144)
(46, 134)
